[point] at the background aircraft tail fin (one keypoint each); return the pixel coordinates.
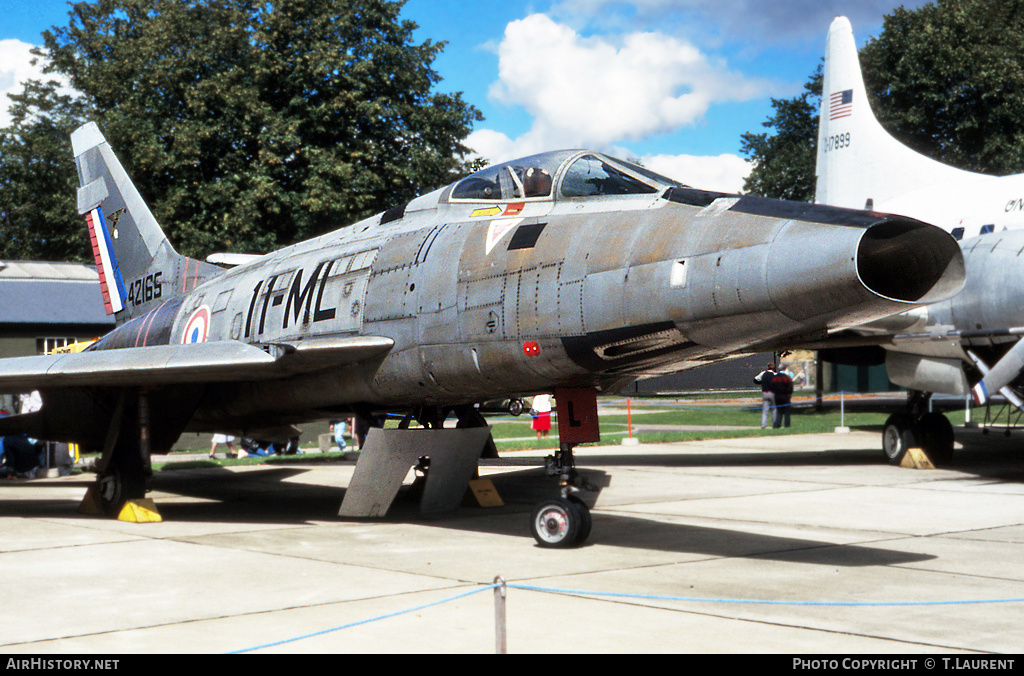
(859, 164)
(138, 267)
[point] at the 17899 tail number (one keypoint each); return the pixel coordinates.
(837, 142)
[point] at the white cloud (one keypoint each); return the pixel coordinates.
(496, 147)
(15, 68)
(594, 91)
(724, 173)
(597, 92)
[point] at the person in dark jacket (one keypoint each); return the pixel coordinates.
(781, 386)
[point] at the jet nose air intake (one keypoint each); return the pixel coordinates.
(910, 262)
(823, 271)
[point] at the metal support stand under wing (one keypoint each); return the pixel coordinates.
(388, 455)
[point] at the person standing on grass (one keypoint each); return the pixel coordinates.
(764, 379)
(541, 414)
(782, 388)
(225, 439)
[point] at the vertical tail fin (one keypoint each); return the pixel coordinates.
(859, 165)
(138, 267)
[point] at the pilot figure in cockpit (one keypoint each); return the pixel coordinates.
(536, 182)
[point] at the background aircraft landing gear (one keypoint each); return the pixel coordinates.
(898, 434)
(936, 438)
(931, 432)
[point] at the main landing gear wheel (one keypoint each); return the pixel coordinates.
(898, 434)
(936, 438)
(116, 487)
(561, 522)
(932, 432)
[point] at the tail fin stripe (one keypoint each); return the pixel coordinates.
(99, 263)
(147, 324)
(114, 269)
(184, 277)
(106, 263)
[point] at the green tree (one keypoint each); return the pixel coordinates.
(784, 161)
(946, 78)
(249, 125)
(38, 210)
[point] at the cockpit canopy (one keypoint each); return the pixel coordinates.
(567, 174)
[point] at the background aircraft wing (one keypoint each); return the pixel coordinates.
(863, 338)
(219, 361)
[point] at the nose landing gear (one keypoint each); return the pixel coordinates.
(564, 521)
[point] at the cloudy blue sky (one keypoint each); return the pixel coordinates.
(673, 82)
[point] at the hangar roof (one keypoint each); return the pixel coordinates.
(37, 292)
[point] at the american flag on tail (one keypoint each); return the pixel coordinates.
(840, 104)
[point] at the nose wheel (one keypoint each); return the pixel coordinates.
(561, 522)
(564, 521)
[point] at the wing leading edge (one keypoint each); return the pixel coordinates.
(219, 361)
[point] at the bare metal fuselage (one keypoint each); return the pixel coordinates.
(483, 305)
(487, 288)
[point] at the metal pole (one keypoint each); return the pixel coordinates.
(500, 636)
(629, 416)
(842, 410)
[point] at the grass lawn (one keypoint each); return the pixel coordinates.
(743, 409)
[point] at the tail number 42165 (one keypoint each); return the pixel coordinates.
(145, 289)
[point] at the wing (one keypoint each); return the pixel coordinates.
(857, 338)
(219, 361)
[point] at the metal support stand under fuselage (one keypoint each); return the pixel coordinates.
(388, 455)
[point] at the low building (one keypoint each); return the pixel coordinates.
(44, 306)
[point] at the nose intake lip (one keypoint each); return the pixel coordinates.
(909, 261)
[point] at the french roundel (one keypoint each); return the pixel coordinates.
(197, 327)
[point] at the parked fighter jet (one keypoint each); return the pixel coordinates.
(569, 272)
(945, 347)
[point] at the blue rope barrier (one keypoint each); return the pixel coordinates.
(649, 597)
(580, 592)
(366, 621)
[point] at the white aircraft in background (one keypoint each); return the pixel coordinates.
(945, 347)
(860, 165)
